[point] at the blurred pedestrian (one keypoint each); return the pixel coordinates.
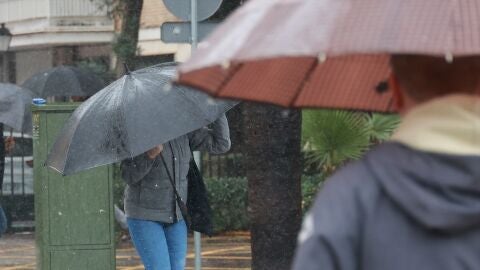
(413, 202)
(6, 146)
(154, 218)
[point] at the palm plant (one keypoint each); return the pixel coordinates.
(381, 126)
(332, 137)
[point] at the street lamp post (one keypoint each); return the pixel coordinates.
(5, 39)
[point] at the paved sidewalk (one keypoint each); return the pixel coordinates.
(225, 252)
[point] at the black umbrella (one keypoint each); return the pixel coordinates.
(64, 81)
(15, 110)
(140, 110)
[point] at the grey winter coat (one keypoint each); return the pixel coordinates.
(396, 209)
(149, 194)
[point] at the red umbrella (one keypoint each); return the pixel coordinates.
(327, 53)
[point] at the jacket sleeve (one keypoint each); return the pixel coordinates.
(215, 140)
(330, 234)
(135, 169)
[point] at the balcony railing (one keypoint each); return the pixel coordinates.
(21, 10)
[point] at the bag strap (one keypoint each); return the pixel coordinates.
(178, 198)
(170, 178)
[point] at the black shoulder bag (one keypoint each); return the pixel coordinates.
(197, 201)
(197, 212)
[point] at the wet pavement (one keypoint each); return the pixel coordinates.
(225, 252)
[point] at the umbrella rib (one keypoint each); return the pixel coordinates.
(122, 104)
(229, 77)
(304, 82)
(41, 90)
(69, 144)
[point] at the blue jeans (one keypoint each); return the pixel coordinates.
(161, 246)
(3, 221)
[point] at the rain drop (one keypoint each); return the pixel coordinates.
(449, 57)
(175, 76)
(226, 64)
(285, 113)
(211, 101)
(167, 87)
(177, 30)
(60, 213)
(322, 57)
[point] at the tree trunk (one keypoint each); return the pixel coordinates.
(125, 47)
(274, 167)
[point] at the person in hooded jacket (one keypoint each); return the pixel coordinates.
(413, 202)
(154, 218)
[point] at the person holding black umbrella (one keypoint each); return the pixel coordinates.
(154, 218)
(413, 202)
(6, 146)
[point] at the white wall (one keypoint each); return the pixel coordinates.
(17, 10)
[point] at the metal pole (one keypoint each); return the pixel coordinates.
(194, 23)
(11, 169)
(196, 235)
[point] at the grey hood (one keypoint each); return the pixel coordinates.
(438, 191)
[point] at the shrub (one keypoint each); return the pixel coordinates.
(228, 199)
(311, 184)
(118, 186)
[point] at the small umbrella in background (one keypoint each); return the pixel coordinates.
(64, 81)
(326, 53)
(138, 111)
(15, 107)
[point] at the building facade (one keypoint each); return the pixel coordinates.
(47, 33)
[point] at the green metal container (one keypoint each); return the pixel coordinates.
(74, 215)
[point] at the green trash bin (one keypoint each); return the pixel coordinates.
(74, 215)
